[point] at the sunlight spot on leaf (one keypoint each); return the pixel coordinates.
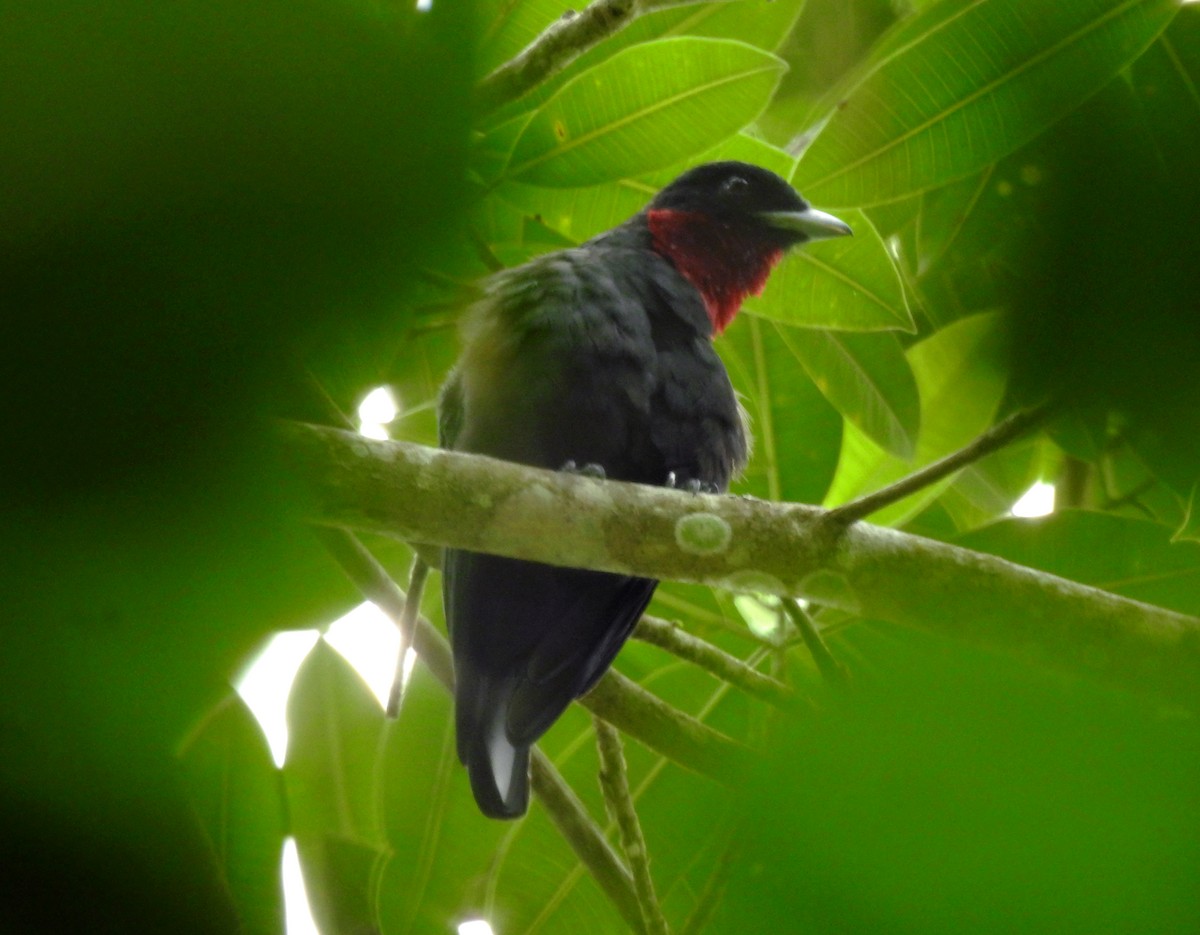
(761, 613)
(265, 683)
(295, 898)
(475, 927)
(1038, 500)
(378, 408)
(369, 641)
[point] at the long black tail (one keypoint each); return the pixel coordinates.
(499, 769)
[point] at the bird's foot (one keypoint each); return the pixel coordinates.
(693, 485)
(586, 470)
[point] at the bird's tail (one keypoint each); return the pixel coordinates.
(499, 769)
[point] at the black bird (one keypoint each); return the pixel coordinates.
(595, 358)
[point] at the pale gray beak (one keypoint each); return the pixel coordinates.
(813, 224)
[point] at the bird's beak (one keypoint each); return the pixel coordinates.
(813, 224)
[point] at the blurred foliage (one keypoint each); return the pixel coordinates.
(202, 201)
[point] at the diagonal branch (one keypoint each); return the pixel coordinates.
(561, 43)
(726, 667)
(467, 501)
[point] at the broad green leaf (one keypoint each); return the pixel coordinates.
(867, 378)
(334, 728)
(494, 148)
(440, 846)
(741, 147)
(796, 432)
(764, 24)
(963, 84)
(237, 793)
(1189, 528)
(645, 108)
(1131, 557)
(944, 214)
(960, 382)
(335, 725)
(849, 283)
(958, 791)
(579, 213)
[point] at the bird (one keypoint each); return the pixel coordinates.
(597, 359)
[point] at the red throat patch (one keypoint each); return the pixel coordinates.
(723, 262)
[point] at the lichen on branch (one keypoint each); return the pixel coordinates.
(444, 498)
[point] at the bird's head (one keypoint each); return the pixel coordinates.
(726, 224)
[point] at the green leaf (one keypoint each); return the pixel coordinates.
(1189, 529)
(849, 283)
(579, 213)
(945, 213)
(960, 384)
(645, 108)
(867, 378)
(334, 729)
(963, 84)
(764, 24)
(439, 844)
(236, 791)
(1131, 557)
(335, 726)
(796, 432)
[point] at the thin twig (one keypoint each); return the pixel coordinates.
(992, 440)
(614, 782)
(563, 807)
(727, 667)
(832, 670)
(407, 626)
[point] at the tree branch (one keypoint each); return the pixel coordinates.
(561, 43)
(468, 501)
(614, 782)
(666, 730)
(728, 668)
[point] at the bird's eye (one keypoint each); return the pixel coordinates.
(735, 186)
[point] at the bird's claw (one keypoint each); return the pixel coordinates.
(693, 485)
(590, 469)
